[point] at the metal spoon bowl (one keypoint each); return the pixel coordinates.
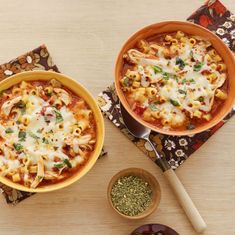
(142, 132)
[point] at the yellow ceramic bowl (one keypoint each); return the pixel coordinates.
(78, 90)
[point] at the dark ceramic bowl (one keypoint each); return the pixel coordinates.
(150, 229)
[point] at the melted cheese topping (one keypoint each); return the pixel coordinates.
(38, 131)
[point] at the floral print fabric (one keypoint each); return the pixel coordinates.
(37, 59)
(214, 16)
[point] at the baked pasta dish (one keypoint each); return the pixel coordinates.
(47, 133)
(174, 81)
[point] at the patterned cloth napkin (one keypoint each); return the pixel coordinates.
(214, 16)
(37, 59)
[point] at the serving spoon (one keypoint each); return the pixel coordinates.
(142, 132)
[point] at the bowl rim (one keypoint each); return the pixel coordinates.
(154, 224)
(135, 171)
(17, 78)
(124, 102)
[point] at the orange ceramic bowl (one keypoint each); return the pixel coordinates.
(189, 28)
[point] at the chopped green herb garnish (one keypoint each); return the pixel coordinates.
(58, 116)
(23, 110)
(18, 146)
(156, 102)
(185, 80)
(182, 92)
(59, 165)
(174, 102)
(22, 106)
(153, 107)
(40, 177)
(51, 131)
(9, 130)
(22, 136)
(191, 53)
(68, 163)
(166, 75)
(180, 62)
(190, 126)
(201, 99)
(157, 69)
(126, 81)
(39, 131)
(197, 67)
(62, 164)
(33, 135)
(174, 76)
(45, 141)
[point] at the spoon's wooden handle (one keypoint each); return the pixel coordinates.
(185, 201)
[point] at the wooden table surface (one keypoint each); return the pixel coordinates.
(84, 38)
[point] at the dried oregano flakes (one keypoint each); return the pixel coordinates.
(131, 195)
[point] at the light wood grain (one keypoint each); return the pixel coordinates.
(84, 38)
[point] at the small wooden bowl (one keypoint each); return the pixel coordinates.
(156, 191)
